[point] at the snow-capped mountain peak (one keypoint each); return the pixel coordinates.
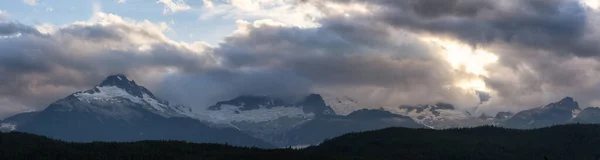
(342, 105)
(438, 116)
(122, 82)
(551, 114)
(257, 109)
(118, 90)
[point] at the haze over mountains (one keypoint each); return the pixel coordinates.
(119, 109)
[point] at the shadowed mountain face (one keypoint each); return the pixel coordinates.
(560, 112)
(306, 122)
(313, 103)
(322, 128)
(442, 115)
(589, 115)
(120, 110)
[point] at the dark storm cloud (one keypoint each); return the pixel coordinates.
(377, 56)
(11, 28)
(547, 48)
(557, 25)
(341, 54)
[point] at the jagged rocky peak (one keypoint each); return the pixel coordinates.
(314, 103)
(569, 102)
(121, 81)
(566, 103)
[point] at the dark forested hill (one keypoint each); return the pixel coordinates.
(17, 146)
(491, 143)
(560, 142)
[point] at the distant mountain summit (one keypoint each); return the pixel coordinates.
(440, 116)
(120, 110)
(341, 105)
(265, 117)
(556, 113)
(119, 96)
(590, 115)
(306, 122)
(129, 86)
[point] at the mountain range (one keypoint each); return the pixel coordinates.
(118, 109)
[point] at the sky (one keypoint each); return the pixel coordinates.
(483, 56)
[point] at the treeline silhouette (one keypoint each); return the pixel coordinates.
(17, 146)
(565, 142)
(577, 142)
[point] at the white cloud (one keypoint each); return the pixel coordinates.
(121, 1)
(594, 4)
(286, 11)
(208, 3)
(3, 15)
(172, 7)
(30, 2)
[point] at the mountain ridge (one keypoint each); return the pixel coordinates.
(120, 110)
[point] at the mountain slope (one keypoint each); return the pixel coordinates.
(120, 110)
(590, 115)
(262, 109)
(556, 113)
(342, 105)
(322, 128)
(441, 116)
(264, 117)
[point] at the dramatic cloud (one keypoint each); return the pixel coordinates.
(481, 55)
(345, 57)
(38, 68)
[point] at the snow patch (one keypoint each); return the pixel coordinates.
(443, 117)
(427, 114)
(7, 127)
(154, 103)
(112, 94)
(107, 93)
(575, 113)
(341, 105)
(230, 113)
